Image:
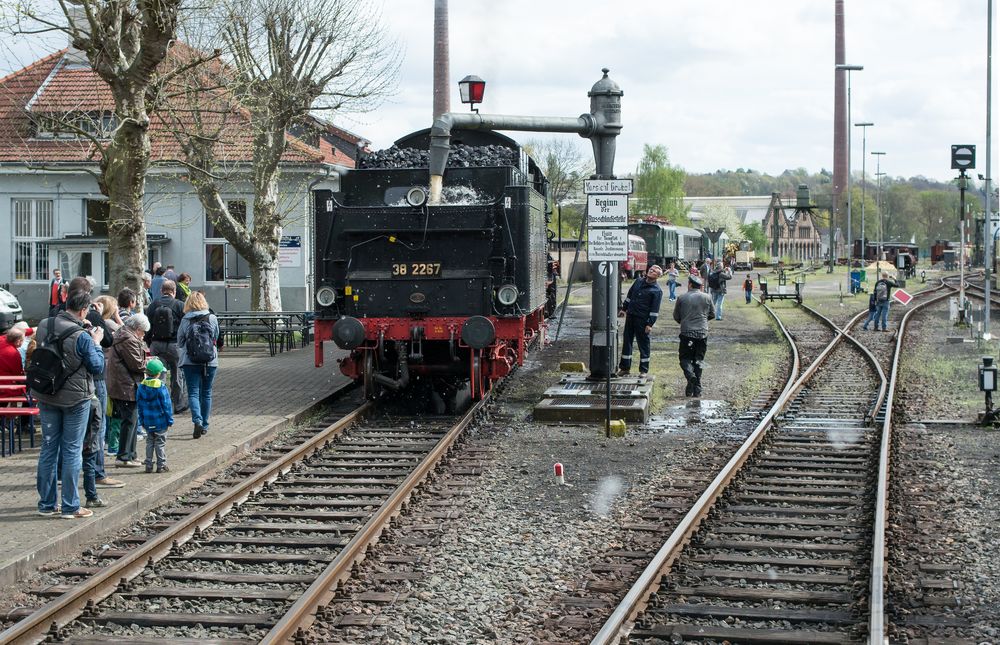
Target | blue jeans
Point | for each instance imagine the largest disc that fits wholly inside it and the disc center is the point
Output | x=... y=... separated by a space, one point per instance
x=673 y=289
x=199 y=380
x=749 y=295
x=872 y=315
x=101 y=387
x=717 y=298
x=62 y=435
x=882 y=313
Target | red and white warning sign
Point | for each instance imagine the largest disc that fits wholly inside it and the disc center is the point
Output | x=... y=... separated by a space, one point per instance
x=902 y=296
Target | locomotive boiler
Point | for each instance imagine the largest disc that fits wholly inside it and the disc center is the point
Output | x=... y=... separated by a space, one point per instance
x=437 y=294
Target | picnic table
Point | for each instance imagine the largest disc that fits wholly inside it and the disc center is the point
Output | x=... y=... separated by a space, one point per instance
x=277 y=328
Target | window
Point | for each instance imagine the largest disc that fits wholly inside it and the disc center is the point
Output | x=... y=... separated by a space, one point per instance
x=34 y=226
x=75 y=125
x=98 y=214
x=221 y=261
x=237 y=208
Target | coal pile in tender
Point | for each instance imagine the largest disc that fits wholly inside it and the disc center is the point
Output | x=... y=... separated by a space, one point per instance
x=461 y=156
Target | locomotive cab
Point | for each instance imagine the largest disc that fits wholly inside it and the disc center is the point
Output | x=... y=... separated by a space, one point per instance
x=442 y=293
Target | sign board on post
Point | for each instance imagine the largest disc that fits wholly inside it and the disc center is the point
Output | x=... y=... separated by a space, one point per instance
x=607 y=244
x=607 y=210
x=290 y=251
x=237 y=283
x=607 y=186
x=963 y=156
x=902 y=296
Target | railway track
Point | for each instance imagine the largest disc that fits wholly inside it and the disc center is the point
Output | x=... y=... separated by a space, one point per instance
x=253 y=558
x=787 y=544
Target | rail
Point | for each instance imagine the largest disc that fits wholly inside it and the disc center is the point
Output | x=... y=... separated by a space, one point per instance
x=72 y=603
x=876 y=602
x=300 y=615
x=637 y=597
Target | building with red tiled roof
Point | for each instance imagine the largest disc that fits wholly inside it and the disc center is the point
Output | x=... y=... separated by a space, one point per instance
x=53 y=215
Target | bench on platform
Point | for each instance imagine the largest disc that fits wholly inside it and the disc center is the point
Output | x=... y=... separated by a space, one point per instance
x=16 y=415
x=278 y=329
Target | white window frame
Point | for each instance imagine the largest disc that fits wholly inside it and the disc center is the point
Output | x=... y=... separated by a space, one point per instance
x=35 y=235
x=219 y=241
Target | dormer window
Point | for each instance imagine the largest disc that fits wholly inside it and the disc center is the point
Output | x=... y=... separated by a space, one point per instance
x=75 y=125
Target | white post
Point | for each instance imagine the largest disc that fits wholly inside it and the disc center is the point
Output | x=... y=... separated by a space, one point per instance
x=987 y=224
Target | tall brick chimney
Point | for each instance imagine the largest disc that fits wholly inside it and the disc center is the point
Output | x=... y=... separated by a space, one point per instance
x=839 y=114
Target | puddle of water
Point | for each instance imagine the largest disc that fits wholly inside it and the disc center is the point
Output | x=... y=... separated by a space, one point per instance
x=607 y=491
x=692 y=412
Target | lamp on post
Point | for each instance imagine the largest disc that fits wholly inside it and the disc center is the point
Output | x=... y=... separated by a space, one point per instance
x=850 y=237
x=471 y=89
x=878 y=201
x=864 y=181
x=988 y=385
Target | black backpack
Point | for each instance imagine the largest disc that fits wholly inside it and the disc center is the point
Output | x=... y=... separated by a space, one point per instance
x=713 y=280
x=47 y=372
x=881 y=291
x=200 y=346
x=161 y=327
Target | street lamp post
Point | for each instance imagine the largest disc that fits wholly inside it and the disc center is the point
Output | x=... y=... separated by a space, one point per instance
x=878 y=175
x=850 y=236
x=988 y=233
x=864 y=181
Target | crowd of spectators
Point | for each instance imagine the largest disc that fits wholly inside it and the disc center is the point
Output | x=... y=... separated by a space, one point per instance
x=122 y=366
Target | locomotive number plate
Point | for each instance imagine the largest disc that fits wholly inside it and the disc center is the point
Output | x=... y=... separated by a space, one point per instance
x=422 y=269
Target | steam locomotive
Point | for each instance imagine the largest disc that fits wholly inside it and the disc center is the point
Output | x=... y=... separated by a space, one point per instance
x=434 y=294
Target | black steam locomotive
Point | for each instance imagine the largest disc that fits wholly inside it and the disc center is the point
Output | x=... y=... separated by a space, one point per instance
x=439 y=294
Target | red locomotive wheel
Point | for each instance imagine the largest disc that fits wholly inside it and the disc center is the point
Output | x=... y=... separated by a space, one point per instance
x=479 y=382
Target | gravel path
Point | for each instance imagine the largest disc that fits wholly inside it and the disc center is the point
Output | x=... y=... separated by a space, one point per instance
x=519 y=544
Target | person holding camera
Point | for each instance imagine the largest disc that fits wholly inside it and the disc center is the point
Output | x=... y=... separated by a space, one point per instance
x=61 y=377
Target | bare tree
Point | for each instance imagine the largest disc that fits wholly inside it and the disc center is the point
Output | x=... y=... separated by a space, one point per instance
x=125 y=42
x=282 y=60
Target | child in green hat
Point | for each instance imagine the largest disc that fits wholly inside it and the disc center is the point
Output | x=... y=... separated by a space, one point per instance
x=156 y=415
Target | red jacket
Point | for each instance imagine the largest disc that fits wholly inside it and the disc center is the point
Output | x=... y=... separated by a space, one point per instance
x=10 y=364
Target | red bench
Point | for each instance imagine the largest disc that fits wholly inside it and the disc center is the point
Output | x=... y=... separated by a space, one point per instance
x=15 y=411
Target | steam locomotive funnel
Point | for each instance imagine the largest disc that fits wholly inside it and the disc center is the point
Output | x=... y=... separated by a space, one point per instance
x=601 y=125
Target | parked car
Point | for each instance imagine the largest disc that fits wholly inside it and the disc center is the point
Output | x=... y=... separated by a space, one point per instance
x=10 y=310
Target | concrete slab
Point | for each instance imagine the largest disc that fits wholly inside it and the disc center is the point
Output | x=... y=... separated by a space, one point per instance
x=255 y=396
x=577 y=399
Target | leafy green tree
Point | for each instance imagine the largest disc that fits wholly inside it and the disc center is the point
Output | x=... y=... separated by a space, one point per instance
x=755 y=233
x=659 y=186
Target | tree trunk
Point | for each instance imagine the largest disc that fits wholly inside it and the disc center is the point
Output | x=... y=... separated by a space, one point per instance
x=124 y=168
x=269 y=145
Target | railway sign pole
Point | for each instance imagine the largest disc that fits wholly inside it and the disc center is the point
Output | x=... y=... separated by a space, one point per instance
x=963 y=158
x=607 y=245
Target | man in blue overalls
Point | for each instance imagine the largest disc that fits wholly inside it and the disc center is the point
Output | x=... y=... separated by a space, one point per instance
x=641 y=309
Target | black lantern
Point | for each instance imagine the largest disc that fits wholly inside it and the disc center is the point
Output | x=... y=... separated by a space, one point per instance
x=471 y=89
x=987 y=375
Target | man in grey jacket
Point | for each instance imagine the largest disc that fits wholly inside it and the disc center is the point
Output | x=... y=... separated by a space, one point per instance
x=693 y=310
x=64 y=413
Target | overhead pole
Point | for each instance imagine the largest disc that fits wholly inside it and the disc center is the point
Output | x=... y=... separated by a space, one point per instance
x=864 y=181
x=442 y=97
x=987 y=223
x=881 y=227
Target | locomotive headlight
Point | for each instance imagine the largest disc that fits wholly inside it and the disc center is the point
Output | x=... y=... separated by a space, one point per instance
x=326 y=296
x=416 y=196
x=507 y=294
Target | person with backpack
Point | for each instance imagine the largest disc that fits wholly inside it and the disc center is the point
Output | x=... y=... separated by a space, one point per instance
x=164 y=319
x=61 y=377
x=197 y=339
x=717 y=278
x=882 y=292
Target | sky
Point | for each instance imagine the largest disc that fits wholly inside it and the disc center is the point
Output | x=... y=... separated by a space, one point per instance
x=725 y=84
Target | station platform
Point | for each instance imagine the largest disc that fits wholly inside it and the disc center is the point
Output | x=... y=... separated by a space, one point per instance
x=255 y=396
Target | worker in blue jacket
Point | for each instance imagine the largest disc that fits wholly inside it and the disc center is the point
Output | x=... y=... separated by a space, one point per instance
x=641 y=309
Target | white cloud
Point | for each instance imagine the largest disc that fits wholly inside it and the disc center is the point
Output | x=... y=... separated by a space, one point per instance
x=724 y=84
